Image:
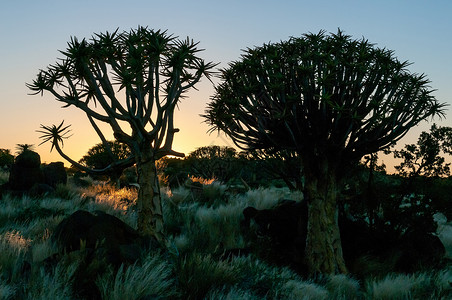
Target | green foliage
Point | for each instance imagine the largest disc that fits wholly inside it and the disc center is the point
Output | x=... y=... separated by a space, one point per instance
x=423 y=158
x=214 y=162
x=224 y=164
x=6 y=158
x=214 y=227
x=98 y=157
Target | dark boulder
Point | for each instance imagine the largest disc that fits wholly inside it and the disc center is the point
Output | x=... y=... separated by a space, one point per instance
x=281 y=232
x=366 y=250
x=26 y=171
x=27 y=175
x=283 y=223
x=94 y=230
x=102 y=242
x=28 y=159
x=54 y=174
x=419 y=250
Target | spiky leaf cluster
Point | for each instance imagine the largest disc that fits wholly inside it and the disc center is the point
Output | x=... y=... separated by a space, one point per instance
x=321 y=96
x=54 y=134
x=131 y=81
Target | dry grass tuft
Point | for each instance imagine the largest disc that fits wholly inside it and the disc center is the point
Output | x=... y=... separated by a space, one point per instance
x=153 y=278
x=400 y=286
x=197 y=274
x=228 y=293
x=55 y=285
x=6 y=291
x=295 y=290
x=343 y=287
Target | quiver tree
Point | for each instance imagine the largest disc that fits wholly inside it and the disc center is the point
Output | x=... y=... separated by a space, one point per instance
x=330 y=99
x=131 y=81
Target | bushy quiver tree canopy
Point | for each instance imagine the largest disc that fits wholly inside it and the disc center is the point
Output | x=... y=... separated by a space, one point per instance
x=330 y=100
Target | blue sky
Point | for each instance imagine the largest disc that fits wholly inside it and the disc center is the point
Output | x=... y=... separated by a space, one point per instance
x=32 y=32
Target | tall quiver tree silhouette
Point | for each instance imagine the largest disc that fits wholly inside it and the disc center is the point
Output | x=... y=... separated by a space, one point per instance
x=131 y=81
x=329 y=98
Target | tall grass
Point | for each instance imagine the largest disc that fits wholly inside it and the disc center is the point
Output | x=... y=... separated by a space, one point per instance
x=230 y=293
x=197 y=274
x=402 y=286
x=6 y=291
x=152 y=278
x=13 y=249
x=199 y=263
x=264 y=280
x=54 y=285
x=343 y=287
x=304 y=290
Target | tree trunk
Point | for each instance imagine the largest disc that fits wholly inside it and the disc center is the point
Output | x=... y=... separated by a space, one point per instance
x=323 y=251
x=150 y=216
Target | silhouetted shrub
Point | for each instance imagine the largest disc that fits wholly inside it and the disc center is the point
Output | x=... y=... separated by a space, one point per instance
x=6 y=158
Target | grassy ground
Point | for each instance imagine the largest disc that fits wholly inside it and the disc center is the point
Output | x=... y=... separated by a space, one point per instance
x=201 y=225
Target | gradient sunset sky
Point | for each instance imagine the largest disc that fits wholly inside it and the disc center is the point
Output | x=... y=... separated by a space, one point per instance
x=32 y=32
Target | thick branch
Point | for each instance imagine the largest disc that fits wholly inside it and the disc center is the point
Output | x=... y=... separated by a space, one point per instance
x=121 y=164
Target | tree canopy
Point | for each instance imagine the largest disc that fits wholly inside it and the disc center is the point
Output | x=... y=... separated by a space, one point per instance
x=126 y=80
x=423 y=158
x=327 y=100
x=97 y=156
x=319 y=93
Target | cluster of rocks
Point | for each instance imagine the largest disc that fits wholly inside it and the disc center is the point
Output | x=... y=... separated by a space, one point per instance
x=280 y=235
x=27 y=175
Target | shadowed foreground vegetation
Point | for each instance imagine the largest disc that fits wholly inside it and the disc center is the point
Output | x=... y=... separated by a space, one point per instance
x=201 y=259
